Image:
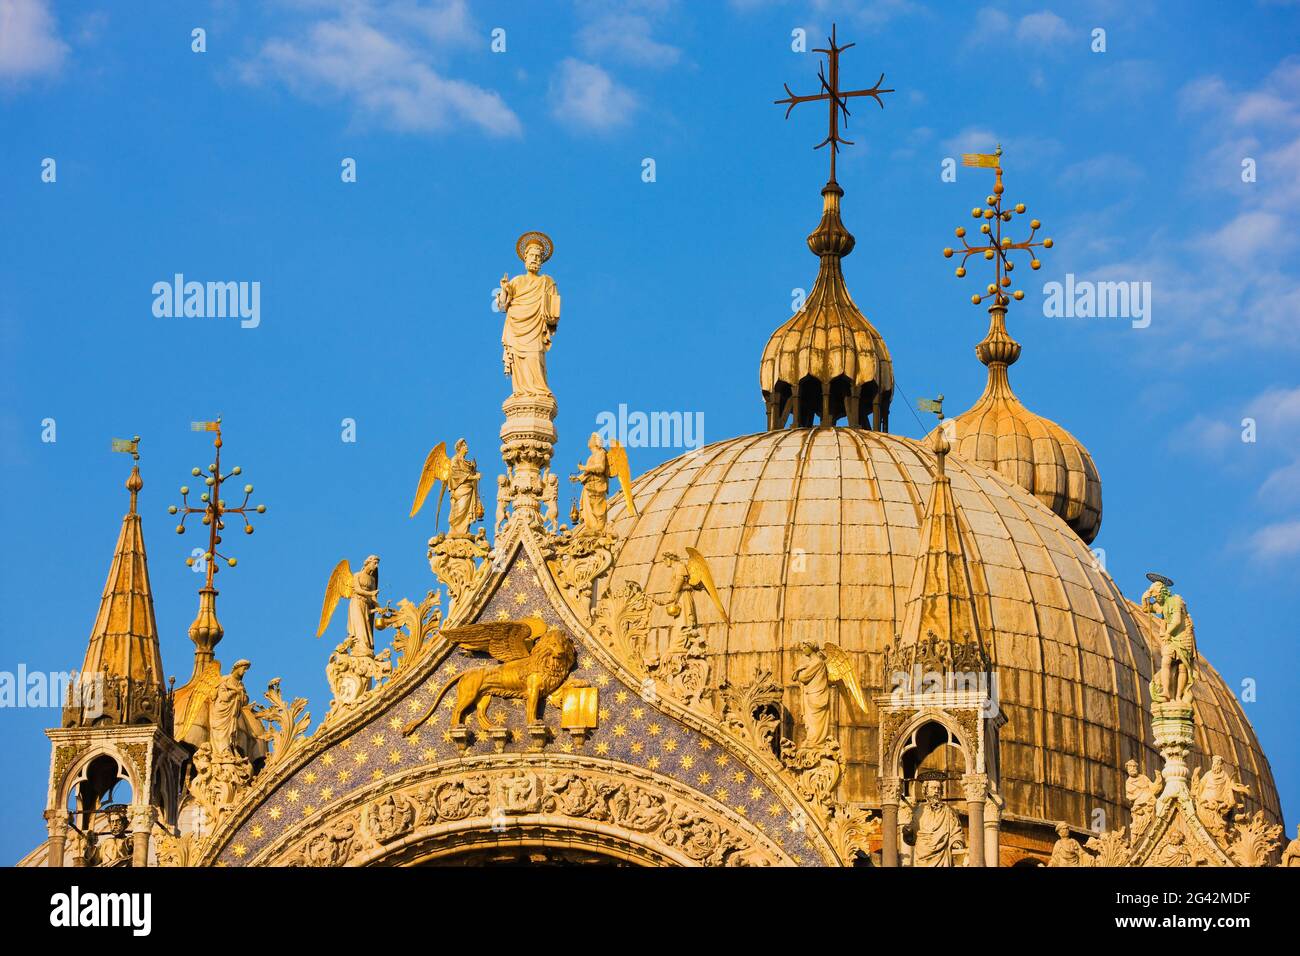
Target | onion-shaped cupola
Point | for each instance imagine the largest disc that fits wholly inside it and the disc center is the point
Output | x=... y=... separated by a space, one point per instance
x=1000 y=434
x=827 y=363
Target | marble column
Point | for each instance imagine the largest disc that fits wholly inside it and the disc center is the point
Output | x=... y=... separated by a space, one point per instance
x=889 y=790
x=976 y=788
x=142 y=818
x=56 y=821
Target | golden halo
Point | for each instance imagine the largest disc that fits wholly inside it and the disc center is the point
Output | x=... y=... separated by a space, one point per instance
x=541 y=238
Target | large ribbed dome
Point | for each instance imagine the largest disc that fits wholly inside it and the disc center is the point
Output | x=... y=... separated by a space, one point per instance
x=812 y=534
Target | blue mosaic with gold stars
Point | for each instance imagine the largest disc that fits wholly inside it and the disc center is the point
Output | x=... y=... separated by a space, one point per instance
x=630 y=730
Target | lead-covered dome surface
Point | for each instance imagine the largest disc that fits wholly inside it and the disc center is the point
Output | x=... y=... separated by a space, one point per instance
x=812 y=534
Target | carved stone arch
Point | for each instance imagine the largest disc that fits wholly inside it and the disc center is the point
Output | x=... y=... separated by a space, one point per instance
x=603 y=810
x=958 y=736
x=79 y=769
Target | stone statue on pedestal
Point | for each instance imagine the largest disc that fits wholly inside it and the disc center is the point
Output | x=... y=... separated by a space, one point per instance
x=532 y=308
x=1177 y=672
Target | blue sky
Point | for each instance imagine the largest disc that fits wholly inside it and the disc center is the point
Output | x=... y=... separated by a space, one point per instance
x=375 y=295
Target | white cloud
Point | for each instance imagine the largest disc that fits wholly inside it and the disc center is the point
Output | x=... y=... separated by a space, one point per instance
x=1044 y=27
x=29 y=40
x=626 y=36
x=1107 y=168
x=1278 y=540
x=1245 y=236
x=1282 y=487
x=368 y=57
x=1225 y=282
x=586 y=97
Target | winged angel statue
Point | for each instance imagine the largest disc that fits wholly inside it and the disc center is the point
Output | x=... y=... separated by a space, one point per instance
x=362 y=591
x=534 y=663
x=689 y=576
x=459 y=475
x=819 y=671
x=594 y=475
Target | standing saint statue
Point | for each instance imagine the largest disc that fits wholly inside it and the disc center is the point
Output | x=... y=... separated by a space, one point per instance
x=462 y=482
x=594 y=477
x=532 y=308
x=551 y=498
x=1177 y=642
x=1141 y=792
x=1066 y=851
x=1216 y=795
x=935 y=830
x=231 y=723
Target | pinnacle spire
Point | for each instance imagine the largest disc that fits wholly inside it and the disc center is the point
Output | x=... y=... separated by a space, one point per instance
x=941 y=603
x=121 y=677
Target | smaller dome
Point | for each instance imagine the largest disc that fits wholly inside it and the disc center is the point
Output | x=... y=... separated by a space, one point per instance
x=1000 y=434
x=827 y=362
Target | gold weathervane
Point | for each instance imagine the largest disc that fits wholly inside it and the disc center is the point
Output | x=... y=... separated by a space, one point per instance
x=214 y=509
x=836 y=99
x=999 y=246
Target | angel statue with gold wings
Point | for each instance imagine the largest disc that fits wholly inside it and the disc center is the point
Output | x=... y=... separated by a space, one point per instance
x=459 y=475
x=534 y=663
x=688 y=577
x=362 y=591
x=820 y=670
x=594 y=475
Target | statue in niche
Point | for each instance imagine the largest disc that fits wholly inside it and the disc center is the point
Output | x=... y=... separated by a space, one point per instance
x=935 y=832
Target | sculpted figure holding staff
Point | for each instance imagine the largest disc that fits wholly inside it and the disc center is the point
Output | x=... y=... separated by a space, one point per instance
x=532 y=308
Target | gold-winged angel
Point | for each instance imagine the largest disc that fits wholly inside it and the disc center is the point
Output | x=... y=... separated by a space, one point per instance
x=362 y=591
x=688 y=576
x=820 y=671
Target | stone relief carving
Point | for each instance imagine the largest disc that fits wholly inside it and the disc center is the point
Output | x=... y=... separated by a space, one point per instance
x=753 y=711
x=622 y=623
x=457 y=561
x=496 y=796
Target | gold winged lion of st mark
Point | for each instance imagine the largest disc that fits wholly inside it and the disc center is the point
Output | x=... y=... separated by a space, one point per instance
x=535 y=661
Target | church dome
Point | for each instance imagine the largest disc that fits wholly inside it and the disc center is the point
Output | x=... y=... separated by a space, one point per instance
x=813 y=535
x=828 y=362
x=1001 y=434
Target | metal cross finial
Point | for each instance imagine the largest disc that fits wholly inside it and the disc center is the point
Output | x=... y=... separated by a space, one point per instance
x=835 y=98
x=998 y=246
x=214 y=508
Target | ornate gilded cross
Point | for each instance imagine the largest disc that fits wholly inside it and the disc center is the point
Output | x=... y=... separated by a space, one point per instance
x=998 y=246
x=836 y=99
x=214 y=509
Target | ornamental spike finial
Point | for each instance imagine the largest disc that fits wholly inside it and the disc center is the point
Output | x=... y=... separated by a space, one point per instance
x=206 y=630
x=998 y=248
